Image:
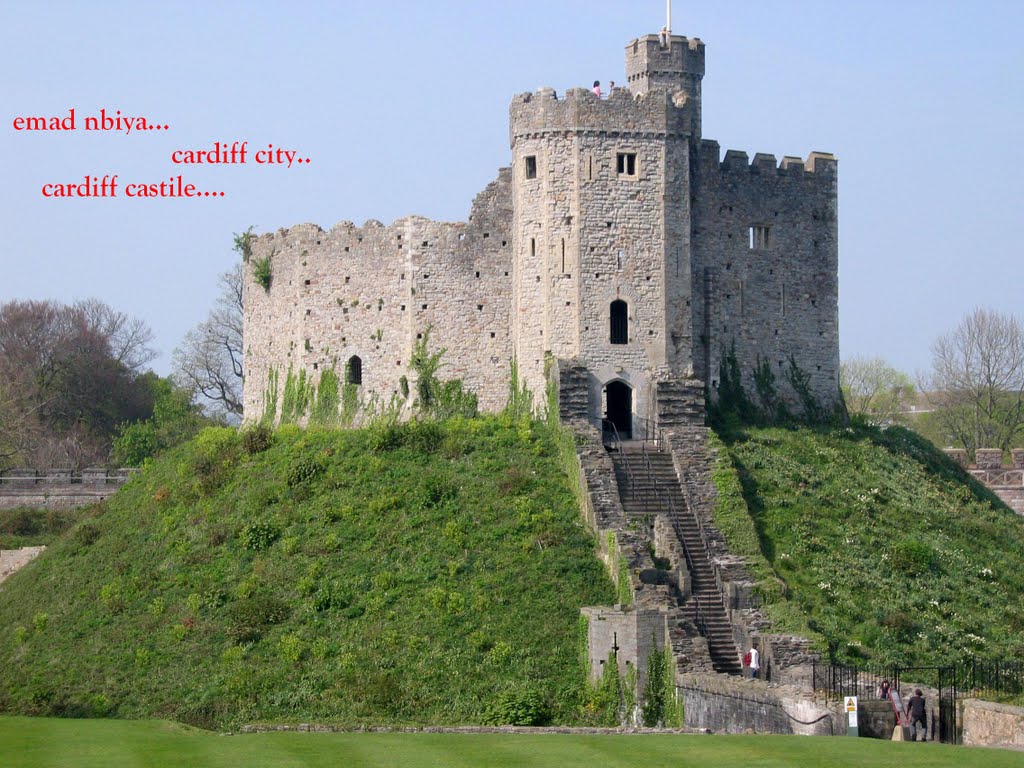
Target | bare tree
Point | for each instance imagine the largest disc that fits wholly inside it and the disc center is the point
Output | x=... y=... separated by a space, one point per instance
x=129 y=338
x=210 y=359
x=977 y=380
x=873 y=388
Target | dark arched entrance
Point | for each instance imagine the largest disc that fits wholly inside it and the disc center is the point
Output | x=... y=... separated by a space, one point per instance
x=619 y=407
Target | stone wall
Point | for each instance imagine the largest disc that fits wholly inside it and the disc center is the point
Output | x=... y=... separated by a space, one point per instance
x=635 y=632
x=1005 y=482
x=371 y=292
x=992 y=725
x=59 y=489
x=733 y=705
x=771 y=299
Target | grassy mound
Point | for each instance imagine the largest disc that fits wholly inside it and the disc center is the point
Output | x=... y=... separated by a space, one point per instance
x=426 y=573
x=875 y=541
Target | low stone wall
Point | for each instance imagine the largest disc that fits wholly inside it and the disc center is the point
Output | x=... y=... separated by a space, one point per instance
x=53 y=497
x=59 y=488
x=13 y=560
x=733 y=705
x=1005 y=482
x=876 y=718
x=992 y=725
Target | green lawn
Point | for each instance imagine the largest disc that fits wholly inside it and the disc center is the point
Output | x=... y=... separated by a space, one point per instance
x=35 y=742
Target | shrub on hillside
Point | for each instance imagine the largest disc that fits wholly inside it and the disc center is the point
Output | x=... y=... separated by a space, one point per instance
x=517 y=706
x=257 y=439
x=258 y=536
x=249 y=618
x=912 y=557
x=214 y=454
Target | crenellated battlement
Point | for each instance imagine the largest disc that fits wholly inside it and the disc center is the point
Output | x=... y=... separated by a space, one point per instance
x=581 y=112
x=817 y=166
x=652 y=61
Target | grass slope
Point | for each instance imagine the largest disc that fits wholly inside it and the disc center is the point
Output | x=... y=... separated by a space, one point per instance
x=876 y=541
x=35 y=742
x=412 y=574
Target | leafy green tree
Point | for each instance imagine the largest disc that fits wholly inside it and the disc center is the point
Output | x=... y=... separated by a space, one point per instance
x=176 y=418
x=875 y=390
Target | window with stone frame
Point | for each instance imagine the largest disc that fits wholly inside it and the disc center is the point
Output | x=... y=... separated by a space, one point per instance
x=354 y=371
x=619 y=317
x=760 y=236
x=531 y=166
x=625 y=163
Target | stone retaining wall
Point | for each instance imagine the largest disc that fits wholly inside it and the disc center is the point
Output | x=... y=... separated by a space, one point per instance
x=724 y=704
x=1005 y=482
x=992 y=725
x=59 y=488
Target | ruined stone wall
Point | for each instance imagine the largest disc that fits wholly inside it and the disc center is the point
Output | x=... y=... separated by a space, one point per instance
x=372 y=291
x=776 y=299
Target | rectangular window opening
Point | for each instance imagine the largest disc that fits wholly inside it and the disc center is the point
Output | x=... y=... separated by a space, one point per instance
x=625 y=163
x=759 y=236
x=531 y=166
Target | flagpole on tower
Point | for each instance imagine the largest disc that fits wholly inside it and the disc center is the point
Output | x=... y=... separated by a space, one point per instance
x=668 y=14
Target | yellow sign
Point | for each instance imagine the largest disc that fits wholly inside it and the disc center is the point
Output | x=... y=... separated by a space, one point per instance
x=851 y=703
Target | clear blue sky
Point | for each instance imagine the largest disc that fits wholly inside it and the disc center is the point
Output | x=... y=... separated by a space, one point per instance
x=402 y=108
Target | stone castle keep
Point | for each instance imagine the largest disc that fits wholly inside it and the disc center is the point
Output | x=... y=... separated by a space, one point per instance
x=619 y=242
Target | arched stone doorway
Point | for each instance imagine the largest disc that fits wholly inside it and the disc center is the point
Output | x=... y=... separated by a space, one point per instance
x=619 y=407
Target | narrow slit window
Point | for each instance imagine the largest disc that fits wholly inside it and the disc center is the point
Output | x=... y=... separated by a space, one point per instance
x=625 y=163
x=619 y=322
x=531 y=166
x=354 y=370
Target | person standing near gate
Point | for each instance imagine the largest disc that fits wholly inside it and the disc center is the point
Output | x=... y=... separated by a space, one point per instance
x=916 y=714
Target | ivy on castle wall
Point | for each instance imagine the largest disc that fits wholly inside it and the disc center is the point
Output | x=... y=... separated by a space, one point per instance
x=734 y=407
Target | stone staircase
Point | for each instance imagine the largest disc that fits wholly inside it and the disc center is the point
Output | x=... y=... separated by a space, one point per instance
x=649 y=487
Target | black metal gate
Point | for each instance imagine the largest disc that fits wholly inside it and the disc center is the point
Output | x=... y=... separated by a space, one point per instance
x=838 y=681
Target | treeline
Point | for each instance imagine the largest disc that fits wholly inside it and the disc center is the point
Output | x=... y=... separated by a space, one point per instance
x=73 y=379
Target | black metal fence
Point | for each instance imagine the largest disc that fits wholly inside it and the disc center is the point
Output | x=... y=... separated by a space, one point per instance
x=977 y=679
x=876 y=682
x=992 y=679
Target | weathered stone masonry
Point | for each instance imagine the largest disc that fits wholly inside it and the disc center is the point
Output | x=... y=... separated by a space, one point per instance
x=618 y=238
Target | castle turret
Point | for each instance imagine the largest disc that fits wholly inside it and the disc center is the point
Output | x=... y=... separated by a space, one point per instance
x=670 y=63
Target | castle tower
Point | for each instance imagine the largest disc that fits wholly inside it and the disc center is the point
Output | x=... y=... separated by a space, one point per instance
x=674 y=64
x=601 y=227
